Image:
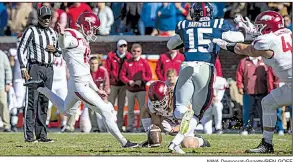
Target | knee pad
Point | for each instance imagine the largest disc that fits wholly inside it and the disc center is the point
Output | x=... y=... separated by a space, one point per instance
x=180 y=111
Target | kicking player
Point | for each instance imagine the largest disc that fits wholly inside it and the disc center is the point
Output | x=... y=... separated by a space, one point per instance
x=197 y=71
x=76 y=52
x=274 y=45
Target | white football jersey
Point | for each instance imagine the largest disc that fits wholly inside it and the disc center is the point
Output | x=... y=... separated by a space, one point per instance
x=280 y=42
x=76 y=53
x=59 y=67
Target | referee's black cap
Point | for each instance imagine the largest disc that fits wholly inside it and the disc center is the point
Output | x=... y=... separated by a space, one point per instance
x=44 y=11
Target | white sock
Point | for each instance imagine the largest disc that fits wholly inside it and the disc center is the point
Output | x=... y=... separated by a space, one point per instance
x=192 y=126
x=47 y=122
x=110 y=123
x=200 y=140
x=268 y=136
x=218 y=116
x=63 y=123
x=146 y=123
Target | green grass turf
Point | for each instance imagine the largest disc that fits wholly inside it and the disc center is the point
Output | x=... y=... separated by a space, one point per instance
x=95 y=144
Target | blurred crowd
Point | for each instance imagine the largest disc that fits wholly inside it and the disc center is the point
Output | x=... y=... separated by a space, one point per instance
x=119 y=18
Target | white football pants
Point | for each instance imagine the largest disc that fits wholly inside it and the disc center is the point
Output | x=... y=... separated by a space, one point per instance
x=195 y=84
x=80 y=90
x=278 y=97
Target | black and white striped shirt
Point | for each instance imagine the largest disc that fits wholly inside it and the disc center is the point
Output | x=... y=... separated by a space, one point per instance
x=32 y=47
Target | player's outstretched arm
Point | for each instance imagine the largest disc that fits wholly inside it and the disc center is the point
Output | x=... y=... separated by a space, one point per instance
x=243 y=49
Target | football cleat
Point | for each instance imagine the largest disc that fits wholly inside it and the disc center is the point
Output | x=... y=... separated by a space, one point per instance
x=263 y=147
x=31 y=141
x=45 y=140
x=34 y=84
x=175 y=149
x=145 y=144
x=130 y=144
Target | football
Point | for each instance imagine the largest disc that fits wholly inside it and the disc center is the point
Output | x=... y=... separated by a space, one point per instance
x=154 y=136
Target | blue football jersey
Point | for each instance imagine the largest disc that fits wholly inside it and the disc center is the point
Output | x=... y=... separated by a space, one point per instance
x=197 y=38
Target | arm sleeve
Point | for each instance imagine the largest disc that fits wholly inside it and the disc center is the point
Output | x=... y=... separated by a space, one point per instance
x=261 y=43
x=239 y=74
x=158 y=69
x=22 y=48
x=8 y=71
x=68 y=40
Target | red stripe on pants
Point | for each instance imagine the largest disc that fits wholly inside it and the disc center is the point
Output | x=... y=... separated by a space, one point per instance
x=83 y=99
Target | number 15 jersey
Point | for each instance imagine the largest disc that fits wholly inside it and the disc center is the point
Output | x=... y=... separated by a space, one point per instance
x=76 y=53
x=197 y=38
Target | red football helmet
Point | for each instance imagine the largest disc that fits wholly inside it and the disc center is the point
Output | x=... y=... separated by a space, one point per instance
x=89 y=24
x=158 y=95
x=269 y=21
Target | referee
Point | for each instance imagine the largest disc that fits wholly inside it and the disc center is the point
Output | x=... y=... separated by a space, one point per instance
x=37 y=47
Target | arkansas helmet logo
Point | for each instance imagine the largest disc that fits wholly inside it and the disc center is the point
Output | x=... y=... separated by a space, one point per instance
x=90 y=19
x=163 y=89
x=266 y=17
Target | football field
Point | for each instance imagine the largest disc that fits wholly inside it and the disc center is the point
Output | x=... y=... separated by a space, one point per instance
x=95 y=144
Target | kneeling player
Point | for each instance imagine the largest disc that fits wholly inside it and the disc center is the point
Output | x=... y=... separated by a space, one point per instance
x=157 y=115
